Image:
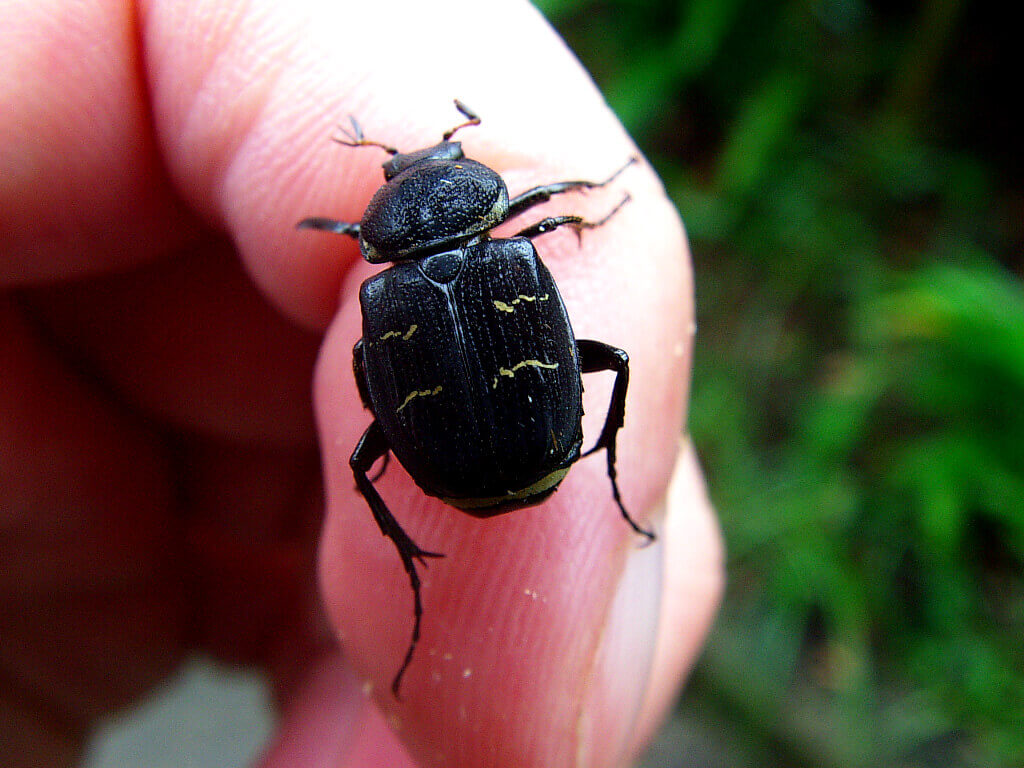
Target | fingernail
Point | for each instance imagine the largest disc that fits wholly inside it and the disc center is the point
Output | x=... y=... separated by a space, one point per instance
x=623 y=661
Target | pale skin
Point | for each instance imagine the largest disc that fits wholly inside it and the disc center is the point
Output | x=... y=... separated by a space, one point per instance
x=177 y=407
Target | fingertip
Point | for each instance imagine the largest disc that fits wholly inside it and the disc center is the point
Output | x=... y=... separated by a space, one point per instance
x=83 y=189
x=330 y=722
x=693 y=582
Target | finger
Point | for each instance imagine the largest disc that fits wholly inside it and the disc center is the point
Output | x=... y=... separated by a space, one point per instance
x=82 y=188
x=190 y=343
x=329 y=721
x=693 y=580
x=87 y=547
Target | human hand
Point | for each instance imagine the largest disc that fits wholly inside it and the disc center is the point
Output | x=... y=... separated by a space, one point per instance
x=157 y=453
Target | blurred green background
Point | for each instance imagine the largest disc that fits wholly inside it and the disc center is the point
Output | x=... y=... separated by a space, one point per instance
x=849 y=176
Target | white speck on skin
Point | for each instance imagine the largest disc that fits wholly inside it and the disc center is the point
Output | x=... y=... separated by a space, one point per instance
x=467 y=672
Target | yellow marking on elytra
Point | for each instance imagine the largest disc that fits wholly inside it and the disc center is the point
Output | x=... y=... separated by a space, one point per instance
x=404 y=336
x=522 y=297
x=510 y=372
x=537 y=488
x=418 y=393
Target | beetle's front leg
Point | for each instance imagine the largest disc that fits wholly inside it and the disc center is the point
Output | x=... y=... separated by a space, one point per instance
x=597 y=356
x=372 y=446
x=330 y=225
x=576 y=222
x=538 y=195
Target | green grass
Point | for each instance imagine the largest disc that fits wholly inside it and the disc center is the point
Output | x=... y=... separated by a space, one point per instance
x=851 y=188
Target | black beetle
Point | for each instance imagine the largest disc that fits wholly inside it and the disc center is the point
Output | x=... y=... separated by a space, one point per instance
x=467 y=361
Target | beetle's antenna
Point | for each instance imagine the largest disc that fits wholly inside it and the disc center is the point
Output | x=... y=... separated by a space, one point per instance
x=355 y=138
x=473 y=119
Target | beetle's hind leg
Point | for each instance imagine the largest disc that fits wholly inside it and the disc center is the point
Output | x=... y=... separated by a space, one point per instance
x=577 y=223
x=359 y=371
x=597 y=356
x=538 y=195
x=371 y=447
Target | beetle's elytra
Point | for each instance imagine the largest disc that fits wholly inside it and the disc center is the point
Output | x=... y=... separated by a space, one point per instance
x=468 y=361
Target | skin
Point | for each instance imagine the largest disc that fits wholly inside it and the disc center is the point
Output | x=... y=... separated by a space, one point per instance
x=178 y=407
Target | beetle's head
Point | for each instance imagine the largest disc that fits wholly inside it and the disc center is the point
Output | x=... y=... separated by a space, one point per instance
x=446 y=150
x=438 y=200
x=432 y=199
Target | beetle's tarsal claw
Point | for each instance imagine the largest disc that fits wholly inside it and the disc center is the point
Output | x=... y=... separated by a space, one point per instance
x=353 y=138
x=357 y=129
x=345 y=139
x=356 y=138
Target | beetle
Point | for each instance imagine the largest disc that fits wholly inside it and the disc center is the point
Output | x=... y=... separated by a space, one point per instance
x=467 y=360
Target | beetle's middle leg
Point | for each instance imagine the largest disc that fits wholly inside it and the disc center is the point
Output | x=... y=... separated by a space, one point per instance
x=597 y=356
x=538 y=195
x=372 y=446
x=359 y=371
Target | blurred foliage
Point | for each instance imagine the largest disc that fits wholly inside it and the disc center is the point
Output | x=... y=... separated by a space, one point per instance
x=850 y=180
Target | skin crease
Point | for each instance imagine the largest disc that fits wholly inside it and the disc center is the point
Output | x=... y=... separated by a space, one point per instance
x=163 y=323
